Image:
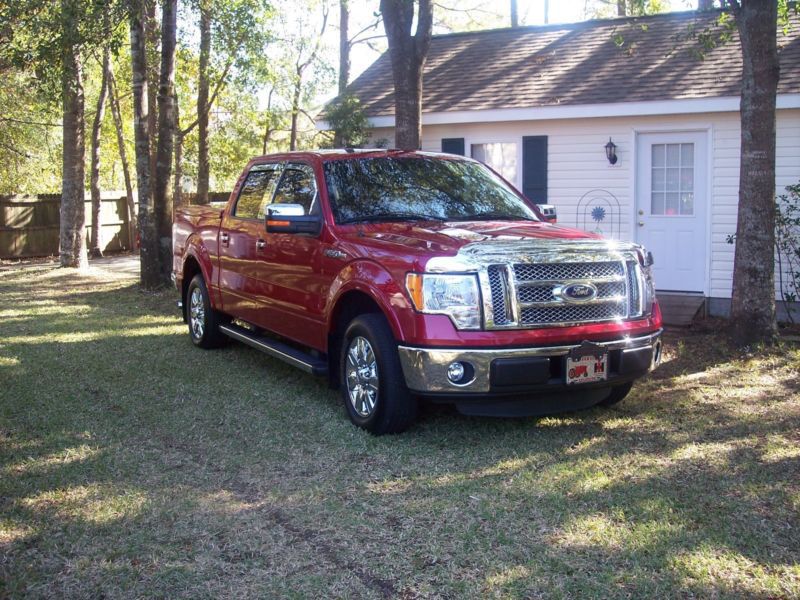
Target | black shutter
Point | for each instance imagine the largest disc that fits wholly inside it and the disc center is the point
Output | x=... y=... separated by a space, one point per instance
x=453 y=146
x=534 y=168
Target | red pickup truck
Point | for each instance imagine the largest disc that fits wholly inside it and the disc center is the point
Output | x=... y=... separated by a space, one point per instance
x=404 y=276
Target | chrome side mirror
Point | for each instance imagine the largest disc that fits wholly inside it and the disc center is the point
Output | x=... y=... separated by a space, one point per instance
x=548 y=212
x=286 y=210
x=291 y=218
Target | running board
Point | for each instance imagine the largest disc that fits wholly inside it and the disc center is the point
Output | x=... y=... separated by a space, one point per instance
x=288 y=354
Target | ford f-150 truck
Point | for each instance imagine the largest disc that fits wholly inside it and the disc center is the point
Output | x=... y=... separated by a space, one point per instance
x=404 y=276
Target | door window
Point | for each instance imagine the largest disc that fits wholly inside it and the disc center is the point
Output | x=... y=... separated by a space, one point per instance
x=297 y=186
x=501 y=156
x=672 y=180
x=256 y=192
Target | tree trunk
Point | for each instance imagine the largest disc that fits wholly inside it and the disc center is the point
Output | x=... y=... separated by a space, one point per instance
x=72 y=229
x=94 y=176
x=162 y=197
x=515 y=14
x=621 y=12
x=344 y=45
x=202 y=104
x=408 y=55
x=151 y=49
x=298 y=86
x=177 y=193
x=150 y=275
x=753 y=301
x=177 y=181
x=268 y=124
x=123 y=156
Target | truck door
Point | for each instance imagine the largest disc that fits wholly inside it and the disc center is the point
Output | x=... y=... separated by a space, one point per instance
x=240 y=234
x=293 y=285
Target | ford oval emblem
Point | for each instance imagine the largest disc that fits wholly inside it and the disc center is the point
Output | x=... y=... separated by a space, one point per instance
x=579 y=292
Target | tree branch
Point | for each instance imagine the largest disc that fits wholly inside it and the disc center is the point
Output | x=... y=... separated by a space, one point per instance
x=219 y=85
x=27 y=122
x=373 y=25
x=12 y=149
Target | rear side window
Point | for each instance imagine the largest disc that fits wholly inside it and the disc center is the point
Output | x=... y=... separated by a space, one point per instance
x=256 y=192
x=297 y=186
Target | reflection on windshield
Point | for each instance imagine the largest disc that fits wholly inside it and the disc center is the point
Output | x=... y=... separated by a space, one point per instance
x=434 y=188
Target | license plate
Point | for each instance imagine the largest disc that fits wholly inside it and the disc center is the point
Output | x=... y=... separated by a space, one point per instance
x=588 y=363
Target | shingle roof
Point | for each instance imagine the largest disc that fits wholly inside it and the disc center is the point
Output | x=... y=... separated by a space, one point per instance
x=603 y=61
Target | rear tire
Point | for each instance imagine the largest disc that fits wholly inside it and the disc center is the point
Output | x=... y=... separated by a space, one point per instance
x=617 y=394
x=372 y=385
x=203 y=320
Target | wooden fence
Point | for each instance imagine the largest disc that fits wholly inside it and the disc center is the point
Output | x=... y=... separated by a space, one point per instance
x=29 y=225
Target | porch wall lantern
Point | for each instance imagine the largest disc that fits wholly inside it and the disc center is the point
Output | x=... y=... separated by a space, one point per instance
x=611 y=152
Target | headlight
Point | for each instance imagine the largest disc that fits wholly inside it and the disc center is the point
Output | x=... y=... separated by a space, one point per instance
x=453 y=295
x=646 y=262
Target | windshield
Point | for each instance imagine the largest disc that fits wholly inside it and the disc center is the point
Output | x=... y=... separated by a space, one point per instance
x=398 y=188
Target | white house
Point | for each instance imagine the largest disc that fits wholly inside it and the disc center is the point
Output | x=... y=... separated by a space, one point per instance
x=540 y=104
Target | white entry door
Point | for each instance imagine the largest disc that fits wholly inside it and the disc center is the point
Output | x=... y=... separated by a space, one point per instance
x=671 y=207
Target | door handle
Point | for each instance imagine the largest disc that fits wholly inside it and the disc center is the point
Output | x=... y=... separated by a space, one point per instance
x=224 y=238
x=641 y=223
x=261 y=244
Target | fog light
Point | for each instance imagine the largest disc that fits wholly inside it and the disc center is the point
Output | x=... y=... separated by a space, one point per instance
x=656 y=354
x=455 y=372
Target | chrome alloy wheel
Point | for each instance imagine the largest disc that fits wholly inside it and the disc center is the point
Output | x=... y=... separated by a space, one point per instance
x=197 y=313
x=362 y=376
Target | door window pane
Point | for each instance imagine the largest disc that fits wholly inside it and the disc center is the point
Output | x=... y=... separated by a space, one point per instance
x=657 y=207
x=687 y=155
x=297 y=186
x=502 y=157
x=255 y=194
x=671 y=204
x=673 y=155
x=687 y=203
x=672 y=179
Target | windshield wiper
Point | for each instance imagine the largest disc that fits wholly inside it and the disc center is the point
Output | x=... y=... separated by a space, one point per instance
x=492 y=216
x=391 y=216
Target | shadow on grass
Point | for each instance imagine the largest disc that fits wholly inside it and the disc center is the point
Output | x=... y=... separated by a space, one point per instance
x=138 y=464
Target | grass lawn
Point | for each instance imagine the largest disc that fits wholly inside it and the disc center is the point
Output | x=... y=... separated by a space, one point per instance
x=136 y=465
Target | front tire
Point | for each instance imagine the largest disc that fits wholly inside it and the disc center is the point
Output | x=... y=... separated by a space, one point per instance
x=373 y=386
x=203 y=320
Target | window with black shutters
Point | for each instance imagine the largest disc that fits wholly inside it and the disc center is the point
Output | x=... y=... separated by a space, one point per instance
x=454 y=146
x=534 y=168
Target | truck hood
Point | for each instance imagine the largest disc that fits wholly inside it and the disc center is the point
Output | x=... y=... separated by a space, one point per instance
x=468 y=244
x=449 y=237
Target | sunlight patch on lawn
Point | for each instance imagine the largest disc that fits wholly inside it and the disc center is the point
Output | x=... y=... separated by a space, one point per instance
x=225 y=502
x=31 y=465
x=617 y=531
x=712 y=567
x=11 y=532
x=93 y=503
x=708 y=453
x=779 y=448
x=508 y=576
x=93 y=336
x=42 y=308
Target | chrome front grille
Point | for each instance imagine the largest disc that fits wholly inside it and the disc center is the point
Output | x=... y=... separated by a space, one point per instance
x=499 y=291
x=573 y=313
x=562 y=271
x=525 y=295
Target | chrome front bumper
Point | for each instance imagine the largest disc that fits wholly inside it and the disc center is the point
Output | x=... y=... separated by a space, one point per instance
x=425 y=369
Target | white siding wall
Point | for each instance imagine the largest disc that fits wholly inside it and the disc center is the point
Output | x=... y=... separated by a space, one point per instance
x=577 y=165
